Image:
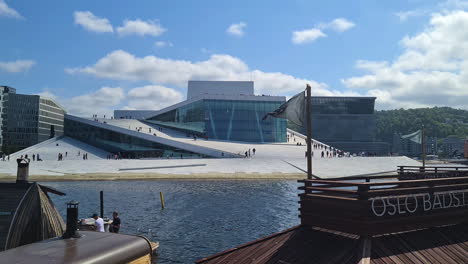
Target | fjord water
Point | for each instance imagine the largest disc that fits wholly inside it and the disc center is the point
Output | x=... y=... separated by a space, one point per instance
x=201 y=217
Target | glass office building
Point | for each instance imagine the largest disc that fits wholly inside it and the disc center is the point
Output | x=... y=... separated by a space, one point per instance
x=347 y=123
x=220 y=119
x=125 y=145
x=28 y=120
x=5 y=91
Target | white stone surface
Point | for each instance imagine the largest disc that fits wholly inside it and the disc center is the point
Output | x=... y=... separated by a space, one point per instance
x=278 y=158
x=260 y=163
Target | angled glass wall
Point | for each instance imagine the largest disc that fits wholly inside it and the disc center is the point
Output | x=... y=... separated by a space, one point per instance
x=125 y=145
x=232 y=120
x=51 y=118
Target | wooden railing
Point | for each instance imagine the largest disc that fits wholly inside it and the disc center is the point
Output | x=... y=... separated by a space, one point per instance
x=369 y=190
x=430 y=169
x=430 y=172
x=378 y=206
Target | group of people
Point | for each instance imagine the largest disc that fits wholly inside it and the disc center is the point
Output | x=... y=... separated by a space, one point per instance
x=34 y=157
x=114 y=156
x=5 y=157
x=247 y=154
x=114 y=227
x=60 y=156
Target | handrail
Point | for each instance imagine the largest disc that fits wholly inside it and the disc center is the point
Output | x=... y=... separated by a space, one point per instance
x=432 y=167
x=364 y=190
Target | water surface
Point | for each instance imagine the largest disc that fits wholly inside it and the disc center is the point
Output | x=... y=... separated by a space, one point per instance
x=201 y=217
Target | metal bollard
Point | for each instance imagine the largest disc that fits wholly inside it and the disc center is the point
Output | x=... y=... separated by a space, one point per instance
x=22 y=174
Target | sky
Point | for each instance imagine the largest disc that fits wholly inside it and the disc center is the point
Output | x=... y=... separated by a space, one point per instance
x=97 y=56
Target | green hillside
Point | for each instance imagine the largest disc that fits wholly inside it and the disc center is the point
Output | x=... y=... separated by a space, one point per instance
x=438 y=121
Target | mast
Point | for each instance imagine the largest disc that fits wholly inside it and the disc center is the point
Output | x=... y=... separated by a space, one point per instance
x=309 y=133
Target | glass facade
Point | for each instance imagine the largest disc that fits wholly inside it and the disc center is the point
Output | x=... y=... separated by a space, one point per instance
x=21 y=122
x=343 y=105
x=347 y=123
x=232 y=120
x=28 y=120
x=125 y=145
x=51 y=118
x=4 y=94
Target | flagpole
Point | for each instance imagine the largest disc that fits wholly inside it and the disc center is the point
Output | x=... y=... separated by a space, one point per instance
x=309 y=134
x=423 y=152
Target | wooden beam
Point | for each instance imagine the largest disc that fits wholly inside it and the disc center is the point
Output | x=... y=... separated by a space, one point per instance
x=365 y=250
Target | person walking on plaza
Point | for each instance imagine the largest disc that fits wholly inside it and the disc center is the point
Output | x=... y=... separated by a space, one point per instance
x=34 y=158
x=253 y=150
x=115 y=226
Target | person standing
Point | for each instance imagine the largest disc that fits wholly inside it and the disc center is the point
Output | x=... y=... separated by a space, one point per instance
x=115 y=226
x=253 y=150
x=99 y=223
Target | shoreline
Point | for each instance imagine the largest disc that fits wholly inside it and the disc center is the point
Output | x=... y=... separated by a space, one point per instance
x=158 y=176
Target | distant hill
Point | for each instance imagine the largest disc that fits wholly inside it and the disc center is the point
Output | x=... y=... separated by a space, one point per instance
x=439 y=122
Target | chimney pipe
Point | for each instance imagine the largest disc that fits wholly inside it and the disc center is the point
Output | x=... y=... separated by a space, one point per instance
x=72 y=220
x=22 y=174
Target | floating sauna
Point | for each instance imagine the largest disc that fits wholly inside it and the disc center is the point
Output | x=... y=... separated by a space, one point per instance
x=83 y=247
x=27 y=213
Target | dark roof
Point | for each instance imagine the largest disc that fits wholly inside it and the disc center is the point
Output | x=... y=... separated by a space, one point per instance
x=27 y=214
x=295 y=245
x=444 y=245
x=92 y=247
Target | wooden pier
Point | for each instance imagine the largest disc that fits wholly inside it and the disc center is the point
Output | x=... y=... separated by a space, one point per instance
x=419 y=215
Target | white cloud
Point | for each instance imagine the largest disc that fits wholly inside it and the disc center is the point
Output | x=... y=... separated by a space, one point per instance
x=405 y=15
x=431 y=70
x=162 y=44
x=307 y=36
x=152 y=97
x=312 y=34
x=17 y=66
x=48 y=94
x=92 y=23
x=141 y=28
x=100 y=102
x=338 y=25
x=7 y=11
x=121 y=65
x=236 y=29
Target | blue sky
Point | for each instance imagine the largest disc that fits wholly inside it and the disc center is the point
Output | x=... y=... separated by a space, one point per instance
x=95 y=56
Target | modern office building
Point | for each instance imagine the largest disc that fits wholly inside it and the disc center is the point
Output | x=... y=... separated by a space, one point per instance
x=347 y=123
x=28 y=120
x=4 y=94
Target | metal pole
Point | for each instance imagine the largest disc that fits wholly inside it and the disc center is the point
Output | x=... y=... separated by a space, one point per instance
x=309 y=134
x=423 y=141
x=101 y=198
